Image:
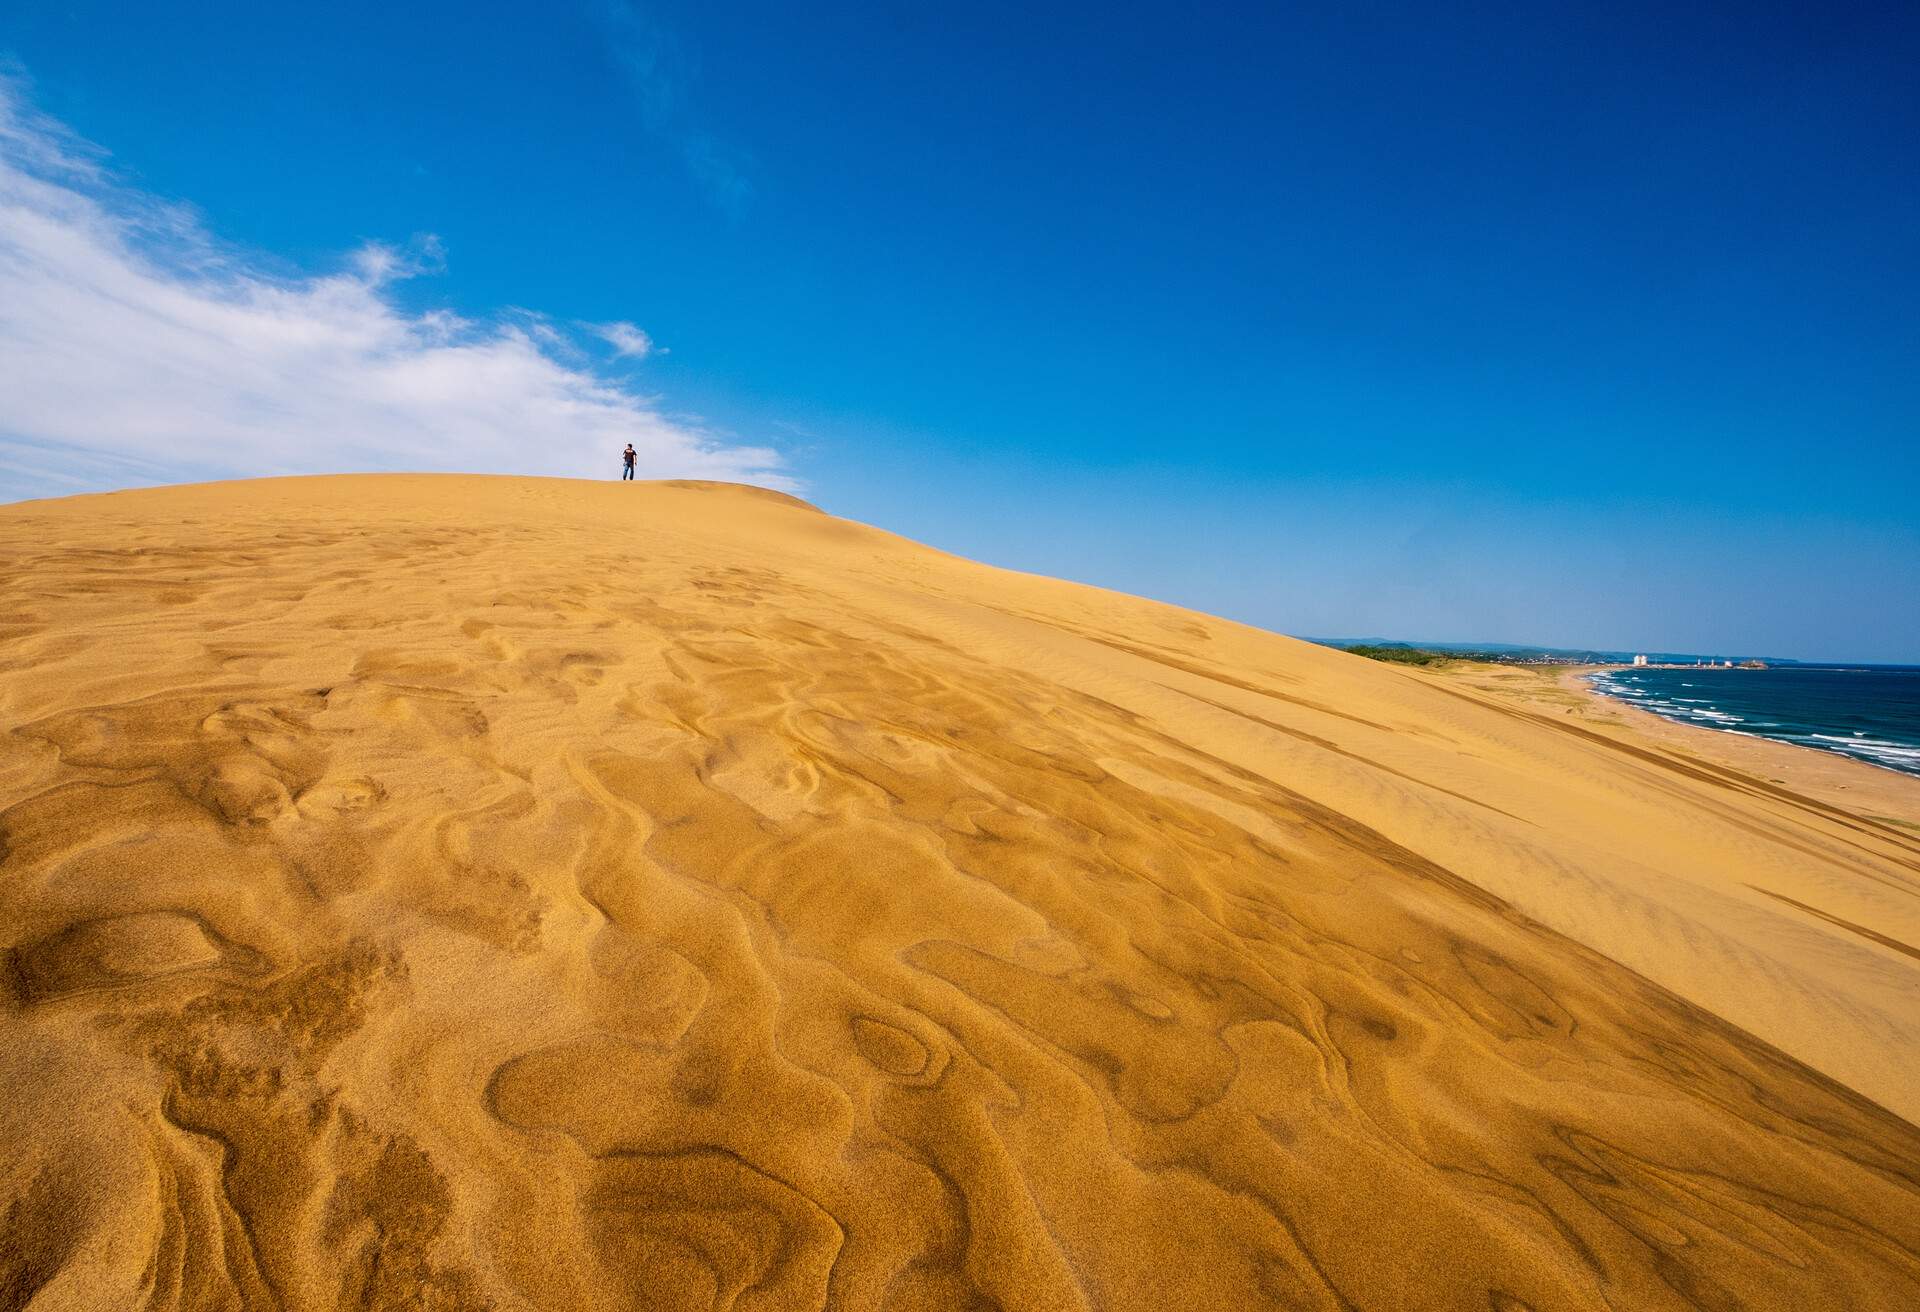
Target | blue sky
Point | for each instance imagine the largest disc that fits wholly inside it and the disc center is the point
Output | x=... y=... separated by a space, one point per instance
x=1580 y=328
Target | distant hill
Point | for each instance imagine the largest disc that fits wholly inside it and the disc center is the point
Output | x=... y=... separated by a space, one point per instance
x=1529 y=654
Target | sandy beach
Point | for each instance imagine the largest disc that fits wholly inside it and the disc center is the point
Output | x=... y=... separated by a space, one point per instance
x=454 y=892
x=1874 y=792
x=1869 y=789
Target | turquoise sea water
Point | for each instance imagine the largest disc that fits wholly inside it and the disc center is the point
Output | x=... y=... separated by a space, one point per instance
x=1868 y=712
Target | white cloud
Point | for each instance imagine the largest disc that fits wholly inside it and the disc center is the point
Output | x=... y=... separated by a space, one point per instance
x=625 y=339
x=135 y=349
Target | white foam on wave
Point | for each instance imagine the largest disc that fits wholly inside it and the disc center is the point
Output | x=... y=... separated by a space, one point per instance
x=1874 y=746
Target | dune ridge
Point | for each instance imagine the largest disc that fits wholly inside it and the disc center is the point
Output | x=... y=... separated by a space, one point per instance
x=427 y=891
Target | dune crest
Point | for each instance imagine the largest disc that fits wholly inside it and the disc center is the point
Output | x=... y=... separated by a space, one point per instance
x=462 y=893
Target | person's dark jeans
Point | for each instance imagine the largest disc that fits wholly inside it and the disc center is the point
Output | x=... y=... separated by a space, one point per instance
x=626 y=472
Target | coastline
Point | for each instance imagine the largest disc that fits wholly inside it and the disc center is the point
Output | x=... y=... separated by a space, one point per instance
x=1868 y=790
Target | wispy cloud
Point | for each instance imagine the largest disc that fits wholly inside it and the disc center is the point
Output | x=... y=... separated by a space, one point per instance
x=660 y=70
x=136 y=348
x=625 y=338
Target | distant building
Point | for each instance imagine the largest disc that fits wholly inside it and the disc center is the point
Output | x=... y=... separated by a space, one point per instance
x=1639 y=660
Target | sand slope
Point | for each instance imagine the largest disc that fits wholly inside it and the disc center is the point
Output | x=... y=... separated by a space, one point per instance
x=456 y=892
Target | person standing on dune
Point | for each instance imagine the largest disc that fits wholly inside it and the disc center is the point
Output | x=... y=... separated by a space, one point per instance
x=626 y=463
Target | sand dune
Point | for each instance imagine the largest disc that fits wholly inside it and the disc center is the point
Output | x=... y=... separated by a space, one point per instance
x=431 y=892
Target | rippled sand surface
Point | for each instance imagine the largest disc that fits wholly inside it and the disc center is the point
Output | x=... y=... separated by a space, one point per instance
x=450 y=893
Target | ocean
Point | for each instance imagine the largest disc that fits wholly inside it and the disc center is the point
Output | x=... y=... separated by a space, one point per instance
x=1868 y=712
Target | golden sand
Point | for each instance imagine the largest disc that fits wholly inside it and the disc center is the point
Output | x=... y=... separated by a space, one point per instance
x=439 y=892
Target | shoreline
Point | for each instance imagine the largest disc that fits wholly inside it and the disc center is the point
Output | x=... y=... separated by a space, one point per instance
x=1834 y=777
x=1872 y=791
